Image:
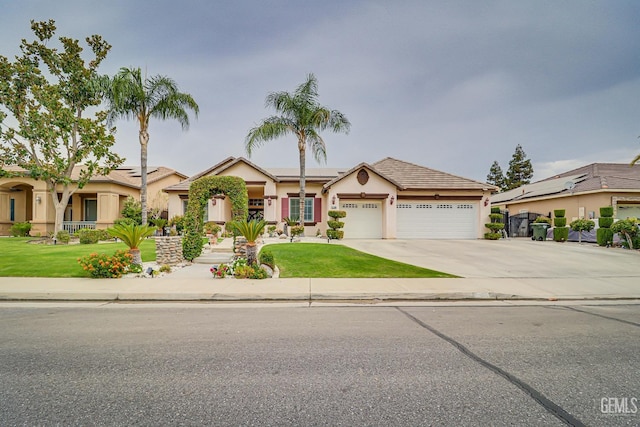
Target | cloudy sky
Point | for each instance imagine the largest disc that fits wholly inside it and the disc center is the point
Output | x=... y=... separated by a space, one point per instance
x=451 y=85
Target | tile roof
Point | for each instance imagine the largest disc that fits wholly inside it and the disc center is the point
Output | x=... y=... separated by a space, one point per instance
x=412 y=176
x=592 y=177
x=124 y=175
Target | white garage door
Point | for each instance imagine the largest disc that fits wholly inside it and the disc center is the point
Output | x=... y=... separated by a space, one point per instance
x=419 y=220
x=363 y=220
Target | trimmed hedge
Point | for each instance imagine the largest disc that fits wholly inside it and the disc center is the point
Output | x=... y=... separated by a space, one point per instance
x=335 y=234
x=606 y=211
x=559 y=213
x=561 y=234
x=89 y=236
x=604 y=236
x=495 y=210
x=496 y=216
x=20 y=229
x=495 y=226
x=560 y=222
x=605 y=222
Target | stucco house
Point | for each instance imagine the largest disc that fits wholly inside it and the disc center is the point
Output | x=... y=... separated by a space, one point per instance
x=580 y=192
x=96 y=205
x=384 y=200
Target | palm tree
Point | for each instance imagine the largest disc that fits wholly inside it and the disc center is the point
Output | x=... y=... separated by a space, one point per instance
x=132 y=235
x=251 y=231
x=132 y=97
x=300 y=114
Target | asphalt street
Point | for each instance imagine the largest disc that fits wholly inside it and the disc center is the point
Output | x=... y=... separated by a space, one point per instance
x=217 y=364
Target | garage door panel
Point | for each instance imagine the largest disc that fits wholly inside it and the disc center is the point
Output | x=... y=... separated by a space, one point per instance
x=363 y=220
x=419 y=220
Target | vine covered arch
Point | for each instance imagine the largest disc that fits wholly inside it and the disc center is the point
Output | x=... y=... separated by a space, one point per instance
x=200 y=191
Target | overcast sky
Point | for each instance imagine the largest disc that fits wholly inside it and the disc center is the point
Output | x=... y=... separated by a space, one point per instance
x=451 y=85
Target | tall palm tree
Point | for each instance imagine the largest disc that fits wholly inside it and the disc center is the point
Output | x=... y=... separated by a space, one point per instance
x=130 y=96
x=301 y=115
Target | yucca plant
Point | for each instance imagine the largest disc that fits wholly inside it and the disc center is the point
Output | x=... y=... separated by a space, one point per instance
x=251 y=231
x=132 y=235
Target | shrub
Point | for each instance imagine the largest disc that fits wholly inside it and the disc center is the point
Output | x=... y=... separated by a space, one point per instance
x=495 y=210
x=604 y=236
x=243 y=271
x=560 y=222
x=605 y=222
x=165 y=268
x=495 y=226
x=266 y=257
x=212 y=228
x=337 y=214
x=63 y=236
x=132 y=209
x=258 y=273
x=492 y=236
x=559 y=213
x=335 y=234
x=627 y=228
x=177 y=222
x=606 y=211
x=542 y=220
x=561 y=234
x=89 y=236
x=106 y=266
x=20 y=229
x=131 y=235
x=297 y=230
x=496 y=217
x=335 y=224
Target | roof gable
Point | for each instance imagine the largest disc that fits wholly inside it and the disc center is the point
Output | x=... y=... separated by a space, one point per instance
x=357 y=168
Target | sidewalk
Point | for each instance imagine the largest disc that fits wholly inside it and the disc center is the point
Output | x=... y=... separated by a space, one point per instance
x=195 y=282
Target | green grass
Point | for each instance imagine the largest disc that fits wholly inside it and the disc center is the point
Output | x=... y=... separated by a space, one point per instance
x=18 y=258
x=338 y=261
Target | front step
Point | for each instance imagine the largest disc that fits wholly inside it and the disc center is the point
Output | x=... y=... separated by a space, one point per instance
x=214 y=258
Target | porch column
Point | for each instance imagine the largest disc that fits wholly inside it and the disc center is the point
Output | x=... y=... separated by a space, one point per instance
x=5 y=212
x=108 y=209
x=44 y=213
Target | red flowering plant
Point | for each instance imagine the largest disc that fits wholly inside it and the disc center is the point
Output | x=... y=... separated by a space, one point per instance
x=106 y=266
x=220 y=271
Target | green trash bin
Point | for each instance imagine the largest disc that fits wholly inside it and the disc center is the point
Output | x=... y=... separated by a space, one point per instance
x=539 y=231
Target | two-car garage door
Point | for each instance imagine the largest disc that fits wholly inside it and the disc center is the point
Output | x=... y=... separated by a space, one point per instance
x=444 y=220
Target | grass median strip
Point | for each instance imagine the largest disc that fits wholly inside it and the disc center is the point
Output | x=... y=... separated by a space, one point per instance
x=319 y=260
x=19 y=258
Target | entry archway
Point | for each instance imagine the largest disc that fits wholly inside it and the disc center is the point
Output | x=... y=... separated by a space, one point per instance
x=200 y=191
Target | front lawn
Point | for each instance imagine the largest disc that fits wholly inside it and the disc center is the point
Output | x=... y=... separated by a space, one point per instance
x=18 y=258
x=338 y=261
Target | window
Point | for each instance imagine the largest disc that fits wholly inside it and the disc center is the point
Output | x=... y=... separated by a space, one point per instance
x=12 y=209
x=90 y=209
x=294 y=208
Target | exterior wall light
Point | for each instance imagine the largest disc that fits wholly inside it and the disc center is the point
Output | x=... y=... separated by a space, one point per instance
x=392 y=200
x=38 y=199
x=269 y=201
x=333 y=200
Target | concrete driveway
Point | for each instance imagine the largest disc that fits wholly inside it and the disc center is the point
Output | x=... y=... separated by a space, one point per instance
x=513 y=258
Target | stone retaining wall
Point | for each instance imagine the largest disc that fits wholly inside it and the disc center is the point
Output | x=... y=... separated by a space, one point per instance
x=169 y=250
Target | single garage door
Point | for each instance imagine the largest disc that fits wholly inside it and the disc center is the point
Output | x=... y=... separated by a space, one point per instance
x=419 y=220
x=363 y=220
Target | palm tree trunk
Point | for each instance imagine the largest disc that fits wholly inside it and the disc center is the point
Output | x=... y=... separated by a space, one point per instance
x=252 y=254
x=144 y=142
x=303 y=181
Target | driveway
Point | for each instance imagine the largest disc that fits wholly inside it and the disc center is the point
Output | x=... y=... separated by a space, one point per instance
x=513 y=258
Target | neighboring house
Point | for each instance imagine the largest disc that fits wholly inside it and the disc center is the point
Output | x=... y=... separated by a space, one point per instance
x=580 y=192
x=96 y=205
x=387 y=199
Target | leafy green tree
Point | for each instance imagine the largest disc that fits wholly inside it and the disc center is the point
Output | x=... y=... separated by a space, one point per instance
x=48 y=93
x=520 y=170
x=301 y=115
x=496 y=176
x=581 y=225
x=131 y=96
